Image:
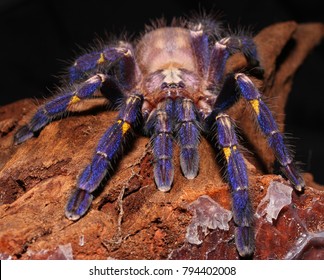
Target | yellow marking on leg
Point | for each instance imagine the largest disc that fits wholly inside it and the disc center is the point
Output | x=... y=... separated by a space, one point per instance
x=228 y=151
x=101 y=59
x=125 y=126
x=255 y=105
x=74 y=99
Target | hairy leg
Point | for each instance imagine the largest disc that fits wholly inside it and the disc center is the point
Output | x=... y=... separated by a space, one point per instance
x=60 y=105
x=270 y=129
x=122 y=55
x=187 y=132
x=161 y=129
x=238 y=180
x=109 y=147
x=222 y=51
x=200 y=45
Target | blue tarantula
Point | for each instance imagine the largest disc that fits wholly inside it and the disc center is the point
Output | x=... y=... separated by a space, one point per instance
x=172 y=83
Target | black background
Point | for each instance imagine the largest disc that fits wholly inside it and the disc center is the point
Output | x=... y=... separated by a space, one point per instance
x=39 y=37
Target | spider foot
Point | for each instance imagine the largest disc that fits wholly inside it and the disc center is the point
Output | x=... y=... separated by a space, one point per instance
x=163 y=174
x=23 y=134
x=294 y=176
x=78 y=204
x=189 y=161
x=244 y=240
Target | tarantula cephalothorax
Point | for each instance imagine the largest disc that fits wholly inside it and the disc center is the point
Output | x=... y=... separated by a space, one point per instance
x=173 y=83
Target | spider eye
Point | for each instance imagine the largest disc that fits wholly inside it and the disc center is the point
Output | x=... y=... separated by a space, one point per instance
x=164 y=86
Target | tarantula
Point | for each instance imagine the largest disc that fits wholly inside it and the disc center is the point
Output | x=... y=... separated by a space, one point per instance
x=172 y=83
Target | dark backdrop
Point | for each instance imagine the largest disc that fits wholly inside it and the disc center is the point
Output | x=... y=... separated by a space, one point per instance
x=38 y=37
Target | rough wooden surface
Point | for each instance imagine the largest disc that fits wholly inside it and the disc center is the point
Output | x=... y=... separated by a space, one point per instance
x=129 y=218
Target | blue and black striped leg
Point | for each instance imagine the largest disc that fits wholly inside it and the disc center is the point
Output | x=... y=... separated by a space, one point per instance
x=238 y=180
x=188 y=133
x=123 y=55
x=59 y=106
x=109 y=147
x=160 y=127
x=270 y=129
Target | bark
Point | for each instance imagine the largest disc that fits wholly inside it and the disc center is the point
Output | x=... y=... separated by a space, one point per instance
x=129 y=218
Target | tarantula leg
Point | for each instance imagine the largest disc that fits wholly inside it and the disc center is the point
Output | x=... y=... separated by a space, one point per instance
x=221 y=52
x=270 y=129
x=108 y=56
x=79 y=202
x=218 y=59
x=188 y=133
x=159 y=124
x=90 y=61
x=244 y=44
x=109 y=147
x=199 y=42
x=238 y=180
x=59 y=106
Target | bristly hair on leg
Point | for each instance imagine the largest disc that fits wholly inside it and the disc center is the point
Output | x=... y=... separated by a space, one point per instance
x=209 y=22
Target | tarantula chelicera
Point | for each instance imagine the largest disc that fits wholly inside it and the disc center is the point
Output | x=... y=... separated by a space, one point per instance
x=172 y=83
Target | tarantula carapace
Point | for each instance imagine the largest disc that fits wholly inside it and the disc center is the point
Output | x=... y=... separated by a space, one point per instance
x=172 y=85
